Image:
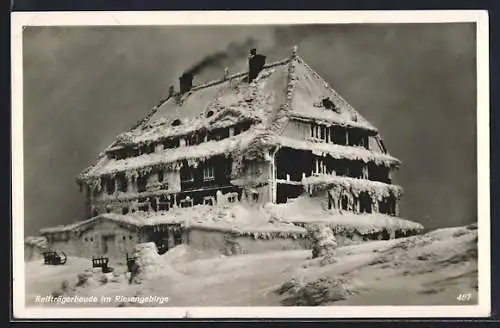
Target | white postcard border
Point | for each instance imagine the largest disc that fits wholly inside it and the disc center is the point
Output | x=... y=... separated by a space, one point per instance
x=21 y=19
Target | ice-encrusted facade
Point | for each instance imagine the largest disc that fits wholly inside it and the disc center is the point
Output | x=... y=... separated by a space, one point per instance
x=265 y=140
x=268 y=135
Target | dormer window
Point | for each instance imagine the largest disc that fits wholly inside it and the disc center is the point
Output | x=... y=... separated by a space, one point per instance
x=176 y=122
x=328 y=104
x=210 y=113
x=208 y=173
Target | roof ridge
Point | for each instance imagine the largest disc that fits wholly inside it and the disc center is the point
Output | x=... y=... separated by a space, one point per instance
x=236 y=75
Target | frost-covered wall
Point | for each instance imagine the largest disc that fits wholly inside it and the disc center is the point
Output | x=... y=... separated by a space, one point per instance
x=297 y=130
x=107 y=239
x=254 y=178
x=98 y=239
x=216 y=241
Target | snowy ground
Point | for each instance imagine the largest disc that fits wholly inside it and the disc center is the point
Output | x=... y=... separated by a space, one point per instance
x=430 y=269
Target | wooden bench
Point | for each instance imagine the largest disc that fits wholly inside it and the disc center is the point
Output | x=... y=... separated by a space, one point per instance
x=53 y=258
x=101 y=262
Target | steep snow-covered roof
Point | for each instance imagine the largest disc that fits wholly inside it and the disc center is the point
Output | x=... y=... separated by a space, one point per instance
x=229 y=101
x=309 y=91
x=283 y=90
x=203 y=150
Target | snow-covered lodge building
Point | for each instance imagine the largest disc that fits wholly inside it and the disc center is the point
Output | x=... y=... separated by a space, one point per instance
x=264 y=136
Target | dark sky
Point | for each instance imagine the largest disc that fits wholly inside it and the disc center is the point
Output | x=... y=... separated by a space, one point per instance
x=415 y=82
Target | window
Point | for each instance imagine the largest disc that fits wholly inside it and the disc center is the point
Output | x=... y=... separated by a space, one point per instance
x=110 y=185
x=208 y=173
x=192 y=140
x=345 y=202
x=187 y=175
x=122 y=182
x=171 y=143
x=125 y=210
x=142 y=181
x=365 y=203
x=124 y=238
x=177 y=237
x=160 y=175
x=144 y=208
x=328 y=104
x=163 y=206
x=209 y=200
x=186 y=202
x=86 y=239
x=232 y=197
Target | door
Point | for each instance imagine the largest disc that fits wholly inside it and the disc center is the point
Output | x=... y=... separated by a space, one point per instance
x=108 y=244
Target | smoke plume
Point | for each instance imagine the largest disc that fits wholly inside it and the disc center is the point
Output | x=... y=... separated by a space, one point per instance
x=233 y=52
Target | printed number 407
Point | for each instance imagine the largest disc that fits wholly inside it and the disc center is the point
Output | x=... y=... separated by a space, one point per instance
x=464 y=297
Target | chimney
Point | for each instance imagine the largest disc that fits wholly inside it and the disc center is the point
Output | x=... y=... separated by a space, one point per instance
x=185 y=82
x=256 y=63
x=171 y=91
x=226 y=73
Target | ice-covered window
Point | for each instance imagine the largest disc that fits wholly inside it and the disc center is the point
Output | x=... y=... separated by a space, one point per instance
x=122 y=182
x=208 y=173
x=187 y=174
x=345 y=202
x=186 y=202
x=177 y=237
x=232 y=197
x=171 y=143
x=209 y=200
x=163 y=206
x=142 y=182
x=365 y=203
x=110 y=185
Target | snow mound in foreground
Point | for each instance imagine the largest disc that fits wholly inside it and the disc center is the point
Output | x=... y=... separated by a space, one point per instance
x=149 y=264
x=430 y=264
x=318 y=292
